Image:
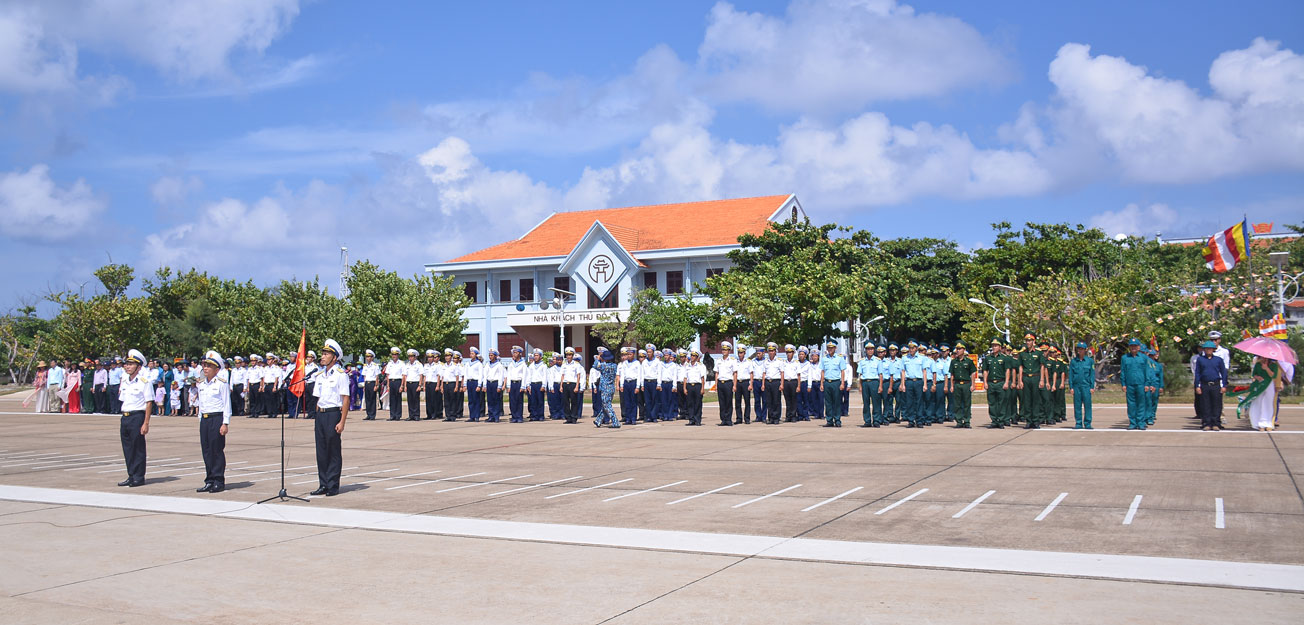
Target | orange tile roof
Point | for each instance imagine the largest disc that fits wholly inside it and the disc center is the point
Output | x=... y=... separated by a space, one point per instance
x=690 y=224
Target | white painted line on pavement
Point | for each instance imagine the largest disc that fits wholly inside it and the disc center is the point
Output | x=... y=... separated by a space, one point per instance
x=30 y=454
x=628 y=479
x=1052 y=505
x=644 y=491
x=146 y=466
x=1218 y=514
x=277 y=477
x=762 y=497
x=714 y=490
x=901 y=501
x=506 y=479
x=831 y=499
x=1131 y=511
x=973 y=504
x=91 y=460
x=44 y=460
x=396 y=477
x=517 y=490
x=195 y=465
x=1218 y=573
x=373 y=472
x=306 y=466
x=442 y=479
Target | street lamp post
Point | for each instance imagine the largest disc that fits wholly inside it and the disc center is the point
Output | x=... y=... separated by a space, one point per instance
x=862 y=333
x=1005 y=308
x=1278 y=260
x=560 y=302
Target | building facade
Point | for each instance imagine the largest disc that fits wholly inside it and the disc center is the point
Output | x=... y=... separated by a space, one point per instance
x=600 y=257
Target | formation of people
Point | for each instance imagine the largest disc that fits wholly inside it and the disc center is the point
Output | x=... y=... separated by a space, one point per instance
x=918 y=385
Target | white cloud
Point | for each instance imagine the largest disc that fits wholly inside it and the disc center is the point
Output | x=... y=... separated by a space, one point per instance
x=1153 y=129
x=173 y=190
x=185 y=41
x=34 y=208
x=838 y=55
x=551 y=115
x=1136 y=220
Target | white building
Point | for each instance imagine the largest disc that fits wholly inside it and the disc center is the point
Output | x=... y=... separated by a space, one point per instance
x=602 y=256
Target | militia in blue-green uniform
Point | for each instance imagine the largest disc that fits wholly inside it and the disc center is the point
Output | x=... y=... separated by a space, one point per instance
x=1082 y=379
x=1134 y=372
x=962 y=370
x=1156 y=385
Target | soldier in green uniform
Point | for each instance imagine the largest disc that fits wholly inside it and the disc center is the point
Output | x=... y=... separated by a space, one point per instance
x=1031 y=381
x=1046 y=393
x=1134 y=373
x=998 y=387
x=1060 y=373
x=1156 y=385
x=985 y=365
x=962 y=372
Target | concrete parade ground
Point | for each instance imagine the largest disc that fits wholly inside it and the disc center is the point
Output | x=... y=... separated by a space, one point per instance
x=553 y=523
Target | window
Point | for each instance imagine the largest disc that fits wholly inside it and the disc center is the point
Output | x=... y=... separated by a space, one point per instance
x=563 y=283
x=471 y=291
x=504 y=290
x=611 y=301
x=674 y=282
x=649 y=279
x=527 y=290
x=508 y=340
x=714 y=272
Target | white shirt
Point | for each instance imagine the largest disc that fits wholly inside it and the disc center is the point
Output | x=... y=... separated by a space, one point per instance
x=554 y=375
x=332 y=387
x=669 y=372
x=135 y=393
x=773 y=368
x=237 y=375
x=272 y=375
x=572 y=372
x=694 y=373
x=394 y=369
x=629 y=371
x=516 y=370
x=453 y=373
x=370 y=371
x=432 y=371
x=650 y=369
x=792 y=369
x=475 y=371
x=1226 y=356
x=215 y=396
x=594 y=376
x=538 y=372
x=412 y=371
x=495 y=372
x=310 y=371
x=727 y=370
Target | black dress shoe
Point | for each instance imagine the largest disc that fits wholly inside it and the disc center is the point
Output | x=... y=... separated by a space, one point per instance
x=205 y=488
x=136 y=483
x=332 y=492
x=126 y=482
x=319 y=491
x=217 y=489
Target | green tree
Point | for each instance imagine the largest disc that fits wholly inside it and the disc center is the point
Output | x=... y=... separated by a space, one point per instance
x=116 y=279
x=795 y=283
x=1018 y=257
x=920 y=306
x=385 y=309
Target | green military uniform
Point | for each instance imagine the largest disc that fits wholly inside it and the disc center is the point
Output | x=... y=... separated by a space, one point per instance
x=962 y=371
x=1082 y=379
x=1060 y=370
x=997 y=394
x=1133 y=372
x=1030 y=362
x=1046 y=395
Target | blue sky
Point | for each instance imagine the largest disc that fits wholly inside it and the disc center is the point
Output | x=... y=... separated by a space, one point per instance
x=252 y=139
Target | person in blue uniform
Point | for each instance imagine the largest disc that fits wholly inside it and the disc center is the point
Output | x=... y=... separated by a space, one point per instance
x=1210 y=384
x=912 y=384
x=869 y=380
x=834 y=369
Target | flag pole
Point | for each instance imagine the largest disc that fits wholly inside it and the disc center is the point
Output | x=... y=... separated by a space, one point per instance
x=298 y=362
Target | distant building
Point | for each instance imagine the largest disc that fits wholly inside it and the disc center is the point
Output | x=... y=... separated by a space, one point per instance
x=602 y=256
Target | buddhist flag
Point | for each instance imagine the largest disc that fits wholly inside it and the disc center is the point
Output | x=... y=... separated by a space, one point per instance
x=1227 y=248
x=1274 y=327
x=296 y=380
